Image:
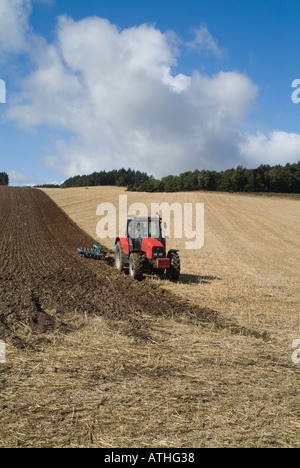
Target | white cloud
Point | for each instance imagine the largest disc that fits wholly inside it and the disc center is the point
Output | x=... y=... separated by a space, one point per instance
x=118 y=98
x=116 y=92
x=277 y=147
x=49 y=94
x=18 y=179
x=14 y=28
x=205 y=42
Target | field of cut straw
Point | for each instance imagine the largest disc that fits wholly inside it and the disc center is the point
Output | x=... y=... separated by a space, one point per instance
x=94 y=359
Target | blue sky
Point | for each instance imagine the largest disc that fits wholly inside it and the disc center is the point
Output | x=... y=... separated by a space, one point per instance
x=161 y=86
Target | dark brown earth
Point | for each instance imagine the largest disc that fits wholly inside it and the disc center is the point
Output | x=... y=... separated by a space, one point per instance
x=43 y=279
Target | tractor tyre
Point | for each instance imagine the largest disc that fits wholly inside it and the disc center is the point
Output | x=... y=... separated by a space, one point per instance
x=119 y=257
x=173 y=273
x=136 y=266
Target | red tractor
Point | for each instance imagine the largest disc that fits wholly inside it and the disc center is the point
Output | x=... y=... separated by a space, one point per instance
x=143 y=250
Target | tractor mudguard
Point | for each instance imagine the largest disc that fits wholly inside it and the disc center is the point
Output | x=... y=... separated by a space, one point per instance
x=124 y=243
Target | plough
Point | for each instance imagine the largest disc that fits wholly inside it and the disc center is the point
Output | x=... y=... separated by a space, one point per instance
x=95 y=252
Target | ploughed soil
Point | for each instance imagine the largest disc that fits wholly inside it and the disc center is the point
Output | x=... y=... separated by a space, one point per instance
x=43 y=279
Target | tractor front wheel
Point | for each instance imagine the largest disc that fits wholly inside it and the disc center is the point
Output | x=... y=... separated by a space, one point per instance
x=136 y=266
x=173 y=273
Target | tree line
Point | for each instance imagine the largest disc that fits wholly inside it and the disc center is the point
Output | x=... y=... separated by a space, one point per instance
x=265 y=178
x=4 y=179
x=120 y=178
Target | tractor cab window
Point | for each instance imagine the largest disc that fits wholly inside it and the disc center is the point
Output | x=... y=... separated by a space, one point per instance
x=154 y=229
x=138 y=229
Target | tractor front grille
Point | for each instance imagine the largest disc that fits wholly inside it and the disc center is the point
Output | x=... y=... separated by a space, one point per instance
x=158 y=252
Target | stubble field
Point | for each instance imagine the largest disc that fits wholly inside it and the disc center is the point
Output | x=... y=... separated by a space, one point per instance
x=95 y=359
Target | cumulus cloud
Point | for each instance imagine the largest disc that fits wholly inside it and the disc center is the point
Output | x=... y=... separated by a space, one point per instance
x=277 y=147
x=119 y=99
x=116 y=93
x=14 y=27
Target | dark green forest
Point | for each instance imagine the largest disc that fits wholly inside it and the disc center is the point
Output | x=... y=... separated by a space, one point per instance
x=265 y=178
x=4 y=180
x=119 y=178
x=278 y=179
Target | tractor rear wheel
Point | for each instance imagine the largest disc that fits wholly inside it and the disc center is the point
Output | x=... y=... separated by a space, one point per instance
x=136 y=266
x=173 y=273
x=119 y=257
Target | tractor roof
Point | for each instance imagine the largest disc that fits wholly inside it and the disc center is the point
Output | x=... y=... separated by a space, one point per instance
x=143 y=218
